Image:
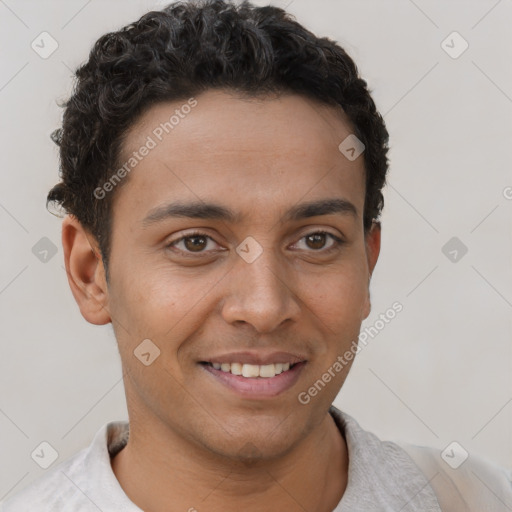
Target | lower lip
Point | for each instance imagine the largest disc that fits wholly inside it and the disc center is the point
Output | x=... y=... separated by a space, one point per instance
x=257 y=387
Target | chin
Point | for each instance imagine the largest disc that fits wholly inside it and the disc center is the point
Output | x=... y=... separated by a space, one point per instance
x=251 y=450
x=249 y=439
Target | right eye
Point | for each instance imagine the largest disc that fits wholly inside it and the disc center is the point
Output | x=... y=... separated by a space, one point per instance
x=192 y=243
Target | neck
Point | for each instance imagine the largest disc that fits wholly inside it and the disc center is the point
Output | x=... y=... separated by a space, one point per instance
x=159 y=468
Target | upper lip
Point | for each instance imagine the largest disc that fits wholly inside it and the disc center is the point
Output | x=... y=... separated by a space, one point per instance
x=258 y=358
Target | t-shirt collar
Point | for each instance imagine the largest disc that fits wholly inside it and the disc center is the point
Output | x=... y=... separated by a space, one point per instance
x=381 y=476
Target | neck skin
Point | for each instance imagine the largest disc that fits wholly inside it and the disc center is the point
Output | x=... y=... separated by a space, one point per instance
x=161 y=473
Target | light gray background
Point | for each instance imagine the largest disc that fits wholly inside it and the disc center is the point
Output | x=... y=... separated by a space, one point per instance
x=439 y=372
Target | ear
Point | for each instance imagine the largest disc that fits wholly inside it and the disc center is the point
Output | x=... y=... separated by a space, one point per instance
x=372 y=245
x=86 y=274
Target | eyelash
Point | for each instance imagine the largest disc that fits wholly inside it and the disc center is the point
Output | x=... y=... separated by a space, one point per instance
x=338 y=242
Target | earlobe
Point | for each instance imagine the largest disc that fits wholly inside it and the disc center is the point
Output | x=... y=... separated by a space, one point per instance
x=367 y=306
x=372 y=243
x=85 y=271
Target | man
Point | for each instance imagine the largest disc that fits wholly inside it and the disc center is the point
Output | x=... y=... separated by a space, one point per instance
x=222 y=170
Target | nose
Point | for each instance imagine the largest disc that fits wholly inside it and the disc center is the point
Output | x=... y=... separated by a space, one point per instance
x=261 y=293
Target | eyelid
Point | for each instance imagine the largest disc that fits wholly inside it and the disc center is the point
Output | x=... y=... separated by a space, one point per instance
x=190 y=235
x=338 y=241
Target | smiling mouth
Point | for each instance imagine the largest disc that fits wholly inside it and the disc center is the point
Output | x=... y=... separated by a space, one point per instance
x=254 y=381
x=252 y=371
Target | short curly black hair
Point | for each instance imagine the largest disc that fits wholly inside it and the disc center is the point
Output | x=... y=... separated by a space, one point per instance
x=181 y=51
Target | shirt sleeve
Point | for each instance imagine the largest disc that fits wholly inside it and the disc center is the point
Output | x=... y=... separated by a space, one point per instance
x=477 y=485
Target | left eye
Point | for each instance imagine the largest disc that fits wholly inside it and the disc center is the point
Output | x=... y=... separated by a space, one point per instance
x=197 y=242
x=318 y=238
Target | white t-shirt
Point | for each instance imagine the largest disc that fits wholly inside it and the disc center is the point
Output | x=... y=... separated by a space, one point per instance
x=382 y=477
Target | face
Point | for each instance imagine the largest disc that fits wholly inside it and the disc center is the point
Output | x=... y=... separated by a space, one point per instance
x=238 y=243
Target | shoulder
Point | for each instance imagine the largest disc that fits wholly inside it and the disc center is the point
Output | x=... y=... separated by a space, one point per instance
x=53 y=491
x=462 y=481
x=449 y=480
x=85 y=482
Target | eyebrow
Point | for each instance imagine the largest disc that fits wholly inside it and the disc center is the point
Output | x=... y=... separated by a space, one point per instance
x=212 y=211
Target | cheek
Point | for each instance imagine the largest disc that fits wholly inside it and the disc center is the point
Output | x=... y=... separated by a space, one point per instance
x=338 y=298
x=162 y=304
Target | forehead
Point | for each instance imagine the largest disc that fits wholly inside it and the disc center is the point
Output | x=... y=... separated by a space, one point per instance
x=243 y=151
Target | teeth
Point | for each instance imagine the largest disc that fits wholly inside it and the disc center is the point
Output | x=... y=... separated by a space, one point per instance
x=253 y=370
x=267 y=370
x=236 y=369
x=250 y=370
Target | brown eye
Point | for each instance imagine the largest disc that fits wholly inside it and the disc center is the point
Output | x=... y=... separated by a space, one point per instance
x=316 y=240
x=195 y=243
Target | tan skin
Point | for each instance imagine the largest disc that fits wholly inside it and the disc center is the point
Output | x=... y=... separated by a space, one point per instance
x=194 y=444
